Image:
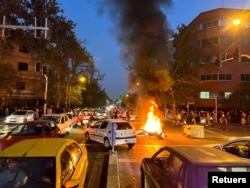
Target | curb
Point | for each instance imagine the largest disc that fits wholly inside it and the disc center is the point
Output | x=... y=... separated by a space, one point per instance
x=113 y=180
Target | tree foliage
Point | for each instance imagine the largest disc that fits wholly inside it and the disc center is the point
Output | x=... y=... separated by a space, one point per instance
x=186 y=84
x=65 y=56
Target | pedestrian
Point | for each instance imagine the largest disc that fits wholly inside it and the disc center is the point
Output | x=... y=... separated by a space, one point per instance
x=128 y=115
x=36 y=114
x=223 y=122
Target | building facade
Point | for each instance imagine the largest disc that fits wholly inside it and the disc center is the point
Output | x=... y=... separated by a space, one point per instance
x=28 y=81
x=221 y=47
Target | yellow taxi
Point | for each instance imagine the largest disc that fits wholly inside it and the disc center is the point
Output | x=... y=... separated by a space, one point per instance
x=46 y=162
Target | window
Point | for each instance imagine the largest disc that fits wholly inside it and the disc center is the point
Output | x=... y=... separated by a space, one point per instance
x=20 y=85
x=104 y=125
x=22 y=66
x=75 y=152
x=67 y=166
x=245 y=77
x=23 y=49
x=214 y=76
x=209 y=24
x=225 y=40
x=225 y=77
x=204 y=95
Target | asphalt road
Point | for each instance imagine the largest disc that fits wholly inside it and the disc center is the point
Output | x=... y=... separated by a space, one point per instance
x=128 y=160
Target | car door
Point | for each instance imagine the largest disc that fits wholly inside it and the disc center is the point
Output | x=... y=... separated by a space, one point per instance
x=61 y=124
x=93 y=131
x=52 y=130
x=156 y=171
x=102 y=131
x=174 y=170
x=73 y=165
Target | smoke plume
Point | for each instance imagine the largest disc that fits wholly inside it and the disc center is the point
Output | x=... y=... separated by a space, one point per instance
x=143 y=32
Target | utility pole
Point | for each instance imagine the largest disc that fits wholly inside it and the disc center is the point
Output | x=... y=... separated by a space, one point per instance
x=45 y=95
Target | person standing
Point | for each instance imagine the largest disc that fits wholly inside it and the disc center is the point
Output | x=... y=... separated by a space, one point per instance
x=36 y=114
x=223 y=122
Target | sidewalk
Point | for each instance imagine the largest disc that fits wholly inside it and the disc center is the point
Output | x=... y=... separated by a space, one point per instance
x=233 y=129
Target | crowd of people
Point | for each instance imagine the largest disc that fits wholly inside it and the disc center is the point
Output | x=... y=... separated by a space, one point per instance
x=209 y=118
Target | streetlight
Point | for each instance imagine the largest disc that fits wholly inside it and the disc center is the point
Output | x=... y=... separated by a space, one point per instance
x=45 y=94
x=82 y=80
x=236 y=51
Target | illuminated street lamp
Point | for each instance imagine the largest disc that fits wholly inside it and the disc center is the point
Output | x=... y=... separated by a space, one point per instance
x=236 y=50
x=82 y=80
x=236 y=22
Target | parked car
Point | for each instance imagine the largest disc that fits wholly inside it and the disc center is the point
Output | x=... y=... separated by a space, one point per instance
x=62 y=120
x=102 y=130
x=187 y=166
x=20 y=116
x=73 y=118
x=64 y=159
x=30 y=130
x=239 y=147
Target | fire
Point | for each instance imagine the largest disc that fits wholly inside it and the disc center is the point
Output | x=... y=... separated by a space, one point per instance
x=153 y=123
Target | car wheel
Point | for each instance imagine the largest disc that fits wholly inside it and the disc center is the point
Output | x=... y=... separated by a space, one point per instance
x=106 y=143
x=87 y=138
x=130 y=145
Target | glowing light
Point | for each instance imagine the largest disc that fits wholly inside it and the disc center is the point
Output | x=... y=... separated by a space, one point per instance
x=236 y=22
x=153 y=123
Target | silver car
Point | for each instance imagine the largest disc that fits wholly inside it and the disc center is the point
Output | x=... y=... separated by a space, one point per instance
x=20 y=116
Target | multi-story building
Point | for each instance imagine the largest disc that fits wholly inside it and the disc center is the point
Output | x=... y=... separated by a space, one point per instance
x=29 y=82
x=221 y=40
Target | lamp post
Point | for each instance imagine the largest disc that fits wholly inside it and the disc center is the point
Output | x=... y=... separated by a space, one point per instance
x=236 y=51
x=45 y=94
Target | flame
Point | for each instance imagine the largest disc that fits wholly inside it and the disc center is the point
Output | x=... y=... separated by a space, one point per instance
x=153 y=123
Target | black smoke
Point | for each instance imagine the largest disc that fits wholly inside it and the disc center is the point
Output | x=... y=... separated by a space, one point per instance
x=143 y=32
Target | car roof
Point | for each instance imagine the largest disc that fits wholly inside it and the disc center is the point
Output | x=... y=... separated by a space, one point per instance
x=40 y=147
x=38 y=121
x=114 y=120
x=54 y=114
x=206 y=155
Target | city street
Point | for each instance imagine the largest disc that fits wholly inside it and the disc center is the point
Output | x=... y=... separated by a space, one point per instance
x=129 y=159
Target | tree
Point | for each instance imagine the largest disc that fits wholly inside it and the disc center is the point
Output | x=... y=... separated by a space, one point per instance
x=181 y=71
x=93 y=95
x=68 y=57
x=7 y=78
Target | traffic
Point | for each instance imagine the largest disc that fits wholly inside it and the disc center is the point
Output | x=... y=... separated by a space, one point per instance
x=127 y=154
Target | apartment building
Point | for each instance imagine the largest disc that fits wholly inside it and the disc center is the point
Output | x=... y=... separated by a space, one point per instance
x=29 y=82
x=221 y=53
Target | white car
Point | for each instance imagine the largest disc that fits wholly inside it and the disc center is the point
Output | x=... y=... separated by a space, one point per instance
x=72 y=117
x=62 y=120
x=111 y=132
x=239 y=146
x=20 y=116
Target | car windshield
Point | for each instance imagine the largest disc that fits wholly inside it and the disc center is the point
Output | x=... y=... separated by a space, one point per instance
x=37 y=170
x=123 y=125
x=20 y=112
x=27 y=129
x=203 y=172
x=53 y=118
